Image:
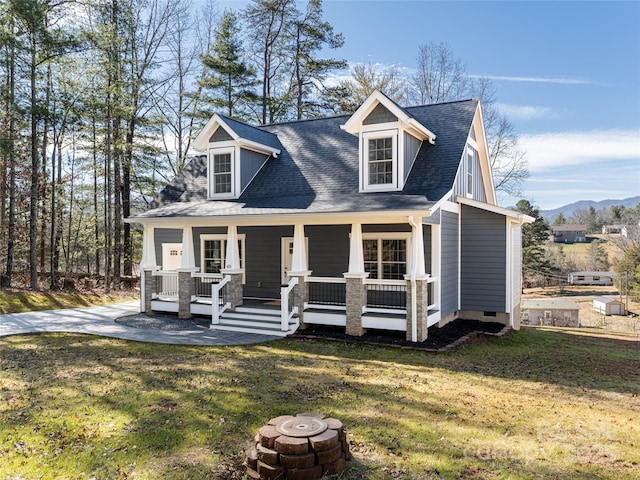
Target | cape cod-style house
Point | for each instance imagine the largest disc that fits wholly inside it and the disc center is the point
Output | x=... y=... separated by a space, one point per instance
x=385 y=219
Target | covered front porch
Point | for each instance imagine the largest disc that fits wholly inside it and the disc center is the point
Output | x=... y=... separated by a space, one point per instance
x=369 y=273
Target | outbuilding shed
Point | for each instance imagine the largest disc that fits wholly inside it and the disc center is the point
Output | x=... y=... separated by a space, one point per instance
x=548 y=311
x=608 y=306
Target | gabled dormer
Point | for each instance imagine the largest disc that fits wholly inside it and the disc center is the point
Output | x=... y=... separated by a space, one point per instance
x=235 y=153
x=389 y=142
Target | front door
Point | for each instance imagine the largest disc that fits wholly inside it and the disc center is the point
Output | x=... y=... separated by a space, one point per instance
x=287 y=256
x=171 y=260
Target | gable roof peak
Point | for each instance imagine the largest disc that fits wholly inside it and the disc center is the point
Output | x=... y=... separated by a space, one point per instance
x=353 y=124
x=244 y=134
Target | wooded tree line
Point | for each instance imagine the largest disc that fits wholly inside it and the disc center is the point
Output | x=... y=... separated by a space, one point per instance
x=100 y=99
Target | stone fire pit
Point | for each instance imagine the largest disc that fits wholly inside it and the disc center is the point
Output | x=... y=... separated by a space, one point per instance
x=304 y=447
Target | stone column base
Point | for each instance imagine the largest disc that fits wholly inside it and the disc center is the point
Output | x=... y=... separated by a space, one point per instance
x=234 y=289
x=422 y=301
x=186 y=290
x=301 y=296
x=149 y=287
x=356 y=300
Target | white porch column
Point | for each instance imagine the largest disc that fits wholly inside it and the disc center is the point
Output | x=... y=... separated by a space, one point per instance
x=147 y=265
x=188 y=256
x=417 y=251
x=148 y=261
x=232 y=257
x=356 y=255
x=299 y=265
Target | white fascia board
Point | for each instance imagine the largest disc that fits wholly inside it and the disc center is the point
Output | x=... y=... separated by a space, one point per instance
x=352 y=125
x=423 y=132
x=483 y=150
x=202 y=140
x=521 y=217
x=258 y=147
x=342 y=218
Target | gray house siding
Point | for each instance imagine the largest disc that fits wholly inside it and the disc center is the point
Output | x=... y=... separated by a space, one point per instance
x=411 y=147
x=379 y=114
x=449 y=263
x=483 y=261
x=263 y=247
x=328 y=249
x=250 y=163
x=165 y=235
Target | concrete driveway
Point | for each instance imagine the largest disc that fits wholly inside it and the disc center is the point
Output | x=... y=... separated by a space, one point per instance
x=101 y=321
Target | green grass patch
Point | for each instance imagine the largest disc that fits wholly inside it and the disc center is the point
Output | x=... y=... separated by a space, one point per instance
x=18 y=301
x=532 y=405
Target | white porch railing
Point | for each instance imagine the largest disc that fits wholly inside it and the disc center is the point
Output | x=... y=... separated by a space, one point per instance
x=202 y=284
x=327 y=293
x=287 y=311
x=218 y=305
x=386 y=296
x=431 y=297
x=166 y=286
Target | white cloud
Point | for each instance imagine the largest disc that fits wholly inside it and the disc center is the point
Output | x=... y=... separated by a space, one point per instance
x=561 y=81
x=550 y=151
x=529 y=112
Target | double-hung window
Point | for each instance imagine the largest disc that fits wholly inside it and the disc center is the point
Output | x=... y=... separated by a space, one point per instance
x=221 y=173
x=213 y=251
x=380 y=161
x=385 y=257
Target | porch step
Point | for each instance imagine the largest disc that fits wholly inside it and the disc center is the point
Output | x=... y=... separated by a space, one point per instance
x=265 y=321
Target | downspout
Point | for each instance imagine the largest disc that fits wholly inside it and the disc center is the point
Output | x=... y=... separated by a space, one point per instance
x=414 y=287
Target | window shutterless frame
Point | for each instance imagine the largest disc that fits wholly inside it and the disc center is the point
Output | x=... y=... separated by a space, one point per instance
x=379 y=161
x=221 y=173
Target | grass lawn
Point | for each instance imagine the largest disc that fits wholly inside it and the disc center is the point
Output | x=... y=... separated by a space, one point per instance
x=21 y=300
x=537 y=404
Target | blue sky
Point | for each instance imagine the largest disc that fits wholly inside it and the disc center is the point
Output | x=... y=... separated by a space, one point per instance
x=567 y=74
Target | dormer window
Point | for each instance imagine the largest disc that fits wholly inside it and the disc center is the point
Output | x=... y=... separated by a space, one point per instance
x=390 y=139
x=221 y=173
x=381 y=156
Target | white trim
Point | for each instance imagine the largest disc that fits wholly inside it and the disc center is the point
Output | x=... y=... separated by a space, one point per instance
x=377 y=134
x=284 y=272
x=521 y=217
x=201 y=142
x=354 y=123
x=211 y=195
x=223 y=238
x=320 y=218
x=483 y=155
x=380 y=236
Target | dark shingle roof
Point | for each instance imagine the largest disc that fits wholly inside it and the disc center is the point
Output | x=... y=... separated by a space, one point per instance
x=317 y=170
x=254 y=134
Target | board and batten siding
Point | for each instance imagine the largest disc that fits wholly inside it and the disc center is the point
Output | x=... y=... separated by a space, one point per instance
x=165 y=235
x=460 y=185
x=411 y=147
x=483 y=267
x=449 y=262
x=250 y=163
x=328 y=254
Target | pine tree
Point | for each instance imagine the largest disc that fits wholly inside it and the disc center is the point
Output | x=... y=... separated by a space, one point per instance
x=231 y=79
x=535 y=262
x=309 y=35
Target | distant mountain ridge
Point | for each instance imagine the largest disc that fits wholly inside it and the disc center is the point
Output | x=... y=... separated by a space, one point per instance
x=568 y=210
